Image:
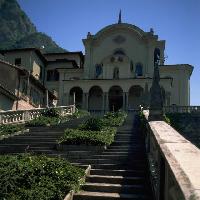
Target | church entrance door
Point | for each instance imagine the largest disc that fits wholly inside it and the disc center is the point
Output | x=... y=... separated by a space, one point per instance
x=115 y=98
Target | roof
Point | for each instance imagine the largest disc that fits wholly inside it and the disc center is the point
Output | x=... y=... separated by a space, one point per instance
x=65 y=53
x=121 y=25
x=37 y=51
x=74 y=63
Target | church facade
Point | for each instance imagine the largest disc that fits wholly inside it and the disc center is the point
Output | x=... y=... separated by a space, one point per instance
x=116 y=71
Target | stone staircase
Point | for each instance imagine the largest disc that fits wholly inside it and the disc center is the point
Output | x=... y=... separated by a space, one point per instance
x=120 y=172
x=38 y=140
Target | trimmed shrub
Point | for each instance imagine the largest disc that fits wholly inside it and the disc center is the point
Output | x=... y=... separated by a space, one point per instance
x=92 y=124
x=51 y=112
x=88 y=137
x=43 y=121
x=114 y=118
x=80 y=113
x=6 y=129
x=32 y=177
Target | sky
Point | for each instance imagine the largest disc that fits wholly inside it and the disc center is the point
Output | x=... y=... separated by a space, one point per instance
x=176 y=21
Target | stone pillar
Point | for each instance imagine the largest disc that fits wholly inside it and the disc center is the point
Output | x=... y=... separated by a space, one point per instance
x=103 y=102
x=67 y=98
x=127 y=101
x=85 y=100
x=106 y=101
x=124 y=100
x=47 y=98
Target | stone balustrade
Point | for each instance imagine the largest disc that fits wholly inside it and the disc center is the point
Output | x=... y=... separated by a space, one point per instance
x=174 y=162
x=21 y=116
x=181 y=109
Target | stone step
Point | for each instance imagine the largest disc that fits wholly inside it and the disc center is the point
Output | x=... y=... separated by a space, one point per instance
x=31 y=141
x=36 y=136
x=113 y=188
x=115 y=179
x=112 y=166
x=118 y=156
x=106 y=161
x=108 y=196
x=120 y=172
x=117 y=152
x=125 y=148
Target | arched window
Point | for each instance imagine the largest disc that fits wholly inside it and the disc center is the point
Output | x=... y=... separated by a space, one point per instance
x=116 y=73
x=138 y=69
x=156 y=55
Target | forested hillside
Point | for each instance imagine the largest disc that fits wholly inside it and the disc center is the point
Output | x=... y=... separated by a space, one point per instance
x=17 y=31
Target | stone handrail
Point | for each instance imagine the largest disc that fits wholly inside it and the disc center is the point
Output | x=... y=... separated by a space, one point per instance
x=174 y=162
x=21 y=116
x=181 y=109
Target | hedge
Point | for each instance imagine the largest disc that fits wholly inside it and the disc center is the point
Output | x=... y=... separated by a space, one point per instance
x=32 y=177
x=9 y=129
x=114 y=118
x=43 y=121
x=88 y=137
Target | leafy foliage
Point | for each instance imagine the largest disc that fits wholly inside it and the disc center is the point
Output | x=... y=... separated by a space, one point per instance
x=7 y=129
x=92 y=124
x=114 y=118
x=51 y=112
x=80 y=113
x=32 y=177
x=43 y=121
x=88 y=137
x=38 y=40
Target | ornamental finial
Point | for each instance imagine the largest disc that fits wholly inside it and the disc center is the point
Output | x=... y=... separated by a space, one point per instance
x=120 y=17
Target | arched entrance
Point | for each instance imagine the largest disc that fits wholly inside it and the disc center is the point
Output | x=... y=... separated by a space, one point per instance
x=95 y=98
x=135 y=97
x=78 y=96
x=115 y=96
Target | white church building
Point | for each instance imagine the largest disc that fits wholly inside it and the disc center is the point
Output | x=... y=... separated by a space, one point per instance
x=117 y=69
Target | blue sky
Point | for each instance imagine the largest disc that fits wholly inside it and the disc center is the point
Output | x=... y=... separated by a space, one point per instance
x=176 y=21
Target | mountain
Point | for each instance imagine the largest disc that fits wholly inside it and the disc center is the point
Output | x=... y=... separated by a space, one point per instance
x=17 y=31
x=39 y=40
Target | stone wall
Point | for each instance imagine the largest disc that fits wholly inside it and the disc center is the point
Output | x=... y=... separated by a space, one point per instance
x=173 y=160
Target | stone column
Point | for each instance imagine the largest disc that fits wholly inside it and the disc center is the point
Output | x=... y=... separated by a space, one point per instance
x=103 y=102
x=67 y=98
x=106 y=101
x=124 y=100
x=127 y=101
x=85 y=100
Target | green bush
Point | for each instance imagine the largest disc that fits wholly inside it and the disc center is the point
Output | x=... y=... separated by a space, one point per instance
x=80 y=113
x=32 y=177
x=92 y=124
x=114 y=118
x=43 y=121
x=88 y=137
x=7 y=129
x=51 y=112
